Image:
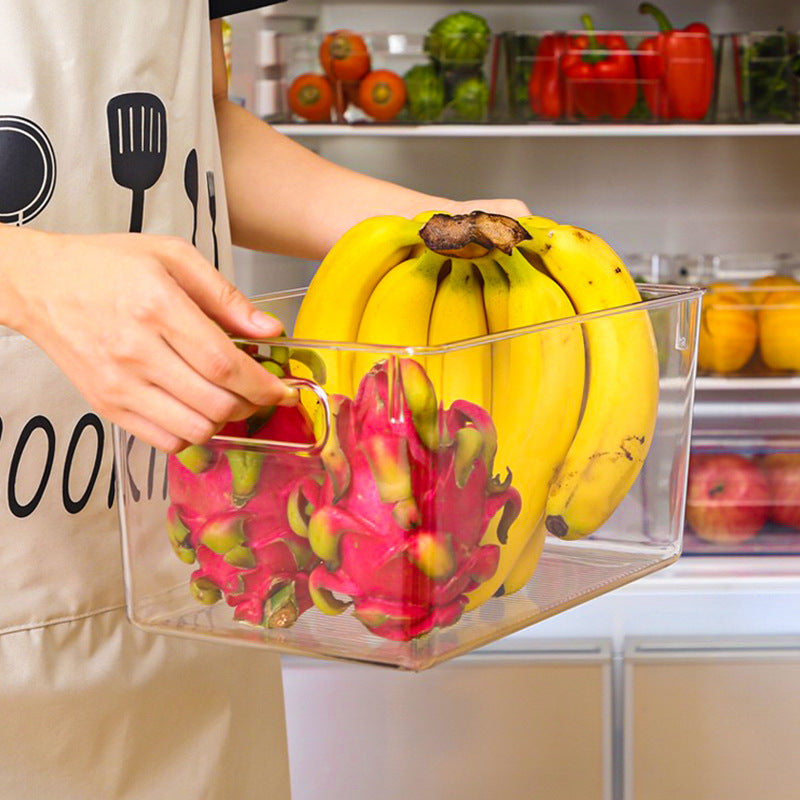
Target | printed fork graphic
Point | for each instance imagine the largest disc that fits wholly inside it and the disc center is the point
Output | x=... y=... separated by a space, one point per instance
x=137 y=133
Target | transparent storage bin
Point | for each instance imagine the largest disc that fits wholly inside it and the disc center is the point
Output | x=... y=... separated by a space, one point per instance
x=750 y=323
x=766 y=67
x=393 y=522
x=743 y=495
x=539 y=85
x=436 y=89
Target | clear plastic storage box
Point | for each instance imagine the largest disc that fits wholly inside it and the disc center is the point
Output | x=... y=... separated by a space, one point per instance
x=750 y=325
x=549 y=76
x=743 y=495
x=766 y=66
x=430 y=87
x=372 y=526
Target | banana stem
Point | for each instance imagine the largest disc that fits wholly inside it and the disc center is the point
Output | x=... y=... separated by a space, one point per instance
x=472 y=235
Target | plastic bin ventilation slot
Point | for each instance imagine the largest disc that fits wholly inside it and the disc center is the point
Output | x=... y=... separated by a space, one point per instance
x=644 y=534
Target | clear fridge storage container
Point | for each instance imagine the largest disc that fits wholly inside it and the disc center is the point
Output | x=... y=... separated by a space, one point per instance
x=743 y=495
x=766 y=67
x=750 y=324
x=438 y=89
x=332 y=540
x=537 y=87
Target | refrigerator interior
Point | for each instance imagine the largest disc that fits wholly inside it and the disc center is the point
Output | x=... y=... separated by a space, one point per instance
x=657 y=189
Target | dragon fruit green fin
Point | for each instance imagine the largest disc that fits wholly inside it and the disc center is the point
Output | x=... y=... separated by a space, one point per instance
x=245 y=472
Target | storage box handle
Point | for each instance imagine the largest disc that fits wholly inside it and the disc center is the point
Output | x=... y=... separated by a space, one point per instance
x=295 y=447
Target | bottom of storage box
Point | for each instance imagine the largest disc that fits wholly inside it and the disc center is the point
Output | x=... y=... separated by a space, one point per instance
x=571 y=574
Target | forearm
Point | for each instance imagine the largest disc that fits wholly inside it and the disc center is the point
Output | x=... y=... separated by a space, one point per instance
x=21 y=251
x=284 y=198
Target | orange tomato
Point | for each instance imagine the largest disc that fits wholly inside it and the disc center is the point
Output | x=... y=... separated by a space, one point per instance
x=382 y=94
x=310 y=96
x=344 y=56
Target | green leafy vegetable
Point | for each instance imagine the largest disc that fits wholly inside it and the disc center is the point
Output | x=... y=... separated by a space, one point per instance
x=770 y=69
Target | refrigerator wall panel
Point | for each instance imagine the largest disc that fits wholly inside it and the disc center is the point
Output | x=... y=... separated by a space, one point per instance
x=516 y=725
x=712 y=718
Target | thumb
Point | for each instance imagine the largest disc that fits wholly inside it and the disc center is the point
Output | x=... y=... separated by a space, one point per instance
x=221 y=300
x=239 y=316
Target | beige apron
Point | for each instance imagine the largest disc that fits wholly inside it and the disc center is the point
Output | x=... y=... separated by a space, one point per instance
x=102 y=106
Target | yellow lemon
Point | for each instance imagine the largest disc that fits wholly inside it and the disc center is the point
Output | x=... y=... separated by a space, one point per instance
x=765 y=287
x=728 y=329
x=779 y=330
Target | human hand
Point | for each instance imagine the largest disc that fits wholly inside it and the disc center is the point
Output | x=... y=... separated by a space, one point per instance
x=138 y=323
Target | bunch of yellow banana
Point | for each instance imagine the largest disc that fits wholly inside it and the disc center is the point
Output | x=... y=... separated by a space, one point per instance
x=574 y=403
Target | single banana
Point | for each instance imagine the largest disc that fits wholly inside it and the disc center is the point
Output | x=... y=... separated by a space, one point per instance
x=457 y=314
x=621 y=403
x=537 y=408
x=495 y=303
x=335 y=300
x=537 y=222
x=424 y=216
x=398 y=310
x=524 y=567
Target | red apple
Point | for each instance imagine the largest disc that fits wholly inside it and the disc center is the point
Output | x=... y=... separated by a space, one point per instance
x=727 y=498
x=783 y=477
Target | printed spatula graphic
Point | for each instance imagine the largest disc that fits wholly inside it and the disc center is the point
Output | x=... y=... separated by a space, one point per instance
x=137 y=134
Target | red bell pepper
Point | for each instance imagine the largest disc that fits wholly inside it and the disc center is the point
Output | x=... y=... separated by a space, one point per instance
x=677 y=68
x=545 y=86
x=600 y=75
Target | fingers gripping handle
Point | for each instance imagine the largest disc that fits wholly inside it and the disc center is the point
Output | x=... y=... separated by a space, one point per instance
x=301 y=384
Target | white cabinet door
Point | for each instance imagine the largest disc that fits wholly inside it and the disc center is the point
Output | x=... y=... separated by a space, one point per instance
x=711 y=719
x=513 y=725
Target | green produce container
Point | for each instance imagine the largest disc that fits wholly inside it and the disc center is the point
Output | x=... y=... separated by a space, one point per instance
x=372 y=526
x=751 y=311
x=767 y=73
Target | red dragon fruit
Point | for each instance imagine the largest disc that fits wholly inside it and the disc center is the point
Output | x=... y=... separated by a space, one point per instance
x=407 y=496
x=242 y=514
